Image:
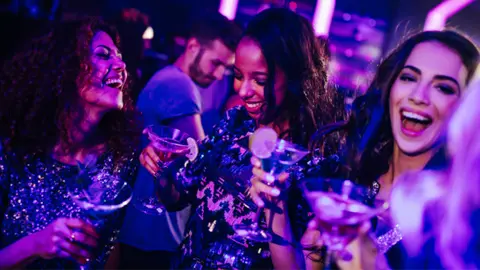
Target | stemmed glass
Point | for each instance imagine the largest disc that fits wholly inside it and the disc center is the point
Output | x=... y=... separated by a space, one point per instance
x=98 y=193
x=172 y=143
x=340 y=208
x=276 y=156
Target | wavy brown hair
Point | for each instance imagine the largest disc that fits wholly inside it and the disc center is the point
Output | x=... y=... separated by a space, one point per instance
x=39 y=92
x=370 y=134
x=287 y=41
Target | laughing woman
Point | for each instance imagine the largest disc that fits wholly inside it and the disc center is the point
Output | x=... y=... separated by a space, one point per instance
x=280 y=76
x=401 y=119
x=63 y=99
x=418 y=91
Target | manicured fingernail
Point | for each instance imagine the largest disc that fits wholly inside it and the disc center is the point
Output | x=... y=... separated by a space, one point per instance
x=269 y=178
x=275 y=192
x=260 y=203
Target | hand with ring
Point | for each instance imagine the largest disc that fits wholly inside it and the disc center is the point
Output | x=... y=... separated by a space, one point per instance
x=65 y=238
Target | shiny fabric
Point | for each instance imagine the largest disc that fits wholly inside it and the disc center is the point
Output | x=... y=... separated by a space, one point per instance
x=34 y=194
x=217 y=185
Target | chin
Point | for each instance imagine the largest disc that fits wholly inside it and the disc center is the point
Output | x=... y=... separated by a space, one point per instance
x=116 y=103
x=111 y=105
x=414 y=148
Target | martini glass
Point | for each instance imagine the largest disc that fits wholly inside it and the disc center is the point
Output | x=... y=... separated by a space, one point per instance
x=172 y=143
x=276 y=156
x=98 y=194
x=340 y=209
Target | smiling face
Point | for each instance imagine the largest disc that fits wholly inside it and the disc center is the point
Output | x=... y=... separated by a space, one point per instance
x=251 y=73
x=103 y=89
x=424 y=94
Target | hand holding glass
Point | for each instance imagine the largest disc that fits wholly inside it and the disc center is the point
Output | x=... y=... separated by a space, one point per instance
x=340 y=210
x=171 y=143
x=98 y=194
x=276 y=156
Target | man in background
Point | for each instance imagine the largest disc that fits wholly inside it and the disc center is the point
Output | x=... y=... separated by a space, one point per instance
x=172 y=97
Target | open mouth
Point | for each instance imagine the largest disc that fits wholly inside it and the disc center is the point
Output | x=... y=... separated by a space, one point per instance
x=415 y=122
x=253 y=105
x=114 y=83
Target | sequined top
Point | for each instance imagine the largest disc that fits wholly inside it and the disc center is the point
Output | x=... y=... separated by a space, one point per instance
x=33 y=194
x=216 y=183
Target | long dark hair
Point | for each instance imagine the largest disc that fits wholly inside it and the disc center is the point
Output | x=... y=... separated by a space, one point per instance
x=370 y=134
x=39 y=92
x=287 y=41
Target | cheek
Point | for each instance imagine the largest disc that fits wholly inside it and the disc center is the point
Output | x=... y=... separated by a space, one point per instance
x=237 y=84
x=397 y=93
x=444 y=105
x=260 y=92
x=98 y=70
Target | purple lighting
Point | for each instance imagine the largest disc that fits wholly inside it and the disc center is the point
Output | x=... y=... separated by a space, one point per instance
x=228 y=8
x=438 y=16
x=322 y=17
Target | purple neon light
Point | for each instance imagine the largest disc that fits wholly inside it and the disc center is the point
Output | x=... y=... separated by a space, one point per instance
x=322 y=17
x=438 y=16
x=228 y=8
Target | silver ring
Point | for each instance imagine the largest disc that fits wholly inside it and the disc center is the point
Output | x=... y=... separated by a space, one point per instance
x=72 y=237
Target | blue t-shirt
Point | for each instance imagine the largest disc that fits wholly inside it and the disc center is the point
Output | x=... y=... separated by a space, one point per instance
x=170 y=93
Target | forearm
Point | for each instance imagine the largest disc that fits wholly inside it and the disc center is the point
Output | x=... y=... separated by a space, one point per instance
x=190 y=124
x=19 y=254
x=284 y=254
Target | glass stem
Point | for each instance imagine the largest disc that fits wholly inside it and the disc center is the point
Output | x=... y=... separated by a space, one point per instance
x=272 y=213
x=329 y=260
x=258 y=215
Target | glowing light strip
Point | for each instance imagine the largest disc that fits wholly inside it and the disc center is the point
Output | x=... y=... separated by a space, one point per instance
x=322 y=18
x=228 y=8
x=438 y=16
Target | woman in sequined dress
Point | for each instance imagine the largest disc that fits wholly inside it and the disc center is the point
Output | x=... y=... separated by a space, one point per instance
x=63 y=98
x=280 y=76
x=401 y=117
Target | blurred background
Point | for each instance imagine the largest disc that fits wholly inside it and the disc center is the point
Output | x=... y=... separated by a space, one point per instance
x=360 y=33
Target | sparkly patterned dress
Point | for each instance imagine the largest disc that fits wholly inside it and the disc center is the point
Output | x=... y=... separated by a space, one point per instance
x=33 y=194
x=216 y=184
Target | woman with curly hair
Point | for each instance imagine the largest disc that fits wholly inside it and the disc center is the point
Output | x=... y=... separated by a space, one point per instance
x=280 y=76
x=63 y=99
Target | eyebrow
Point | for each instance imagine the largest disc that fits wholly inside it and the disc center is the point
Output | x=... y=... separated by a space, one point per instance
x=255 y=73
x=260 y=73
x=438 y=77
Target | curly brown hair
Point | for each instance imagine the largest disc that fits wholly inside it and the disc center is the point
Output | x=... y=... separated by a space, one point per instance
x=287 y=41
x=39 y=91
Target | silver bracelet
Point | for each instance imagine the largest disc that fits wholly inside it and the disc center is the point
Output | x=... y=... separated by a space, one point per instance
x=389 y=239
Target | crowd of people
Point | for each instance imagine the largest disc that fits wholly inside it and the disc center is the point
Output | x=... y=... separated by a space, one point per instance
x=67 y=96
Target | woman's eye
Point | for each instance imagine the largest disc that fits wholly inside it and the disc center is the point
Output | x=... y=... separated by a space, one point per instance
x=446 y=89
x=103 y=55
x=407 y=78
x=261 y=82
